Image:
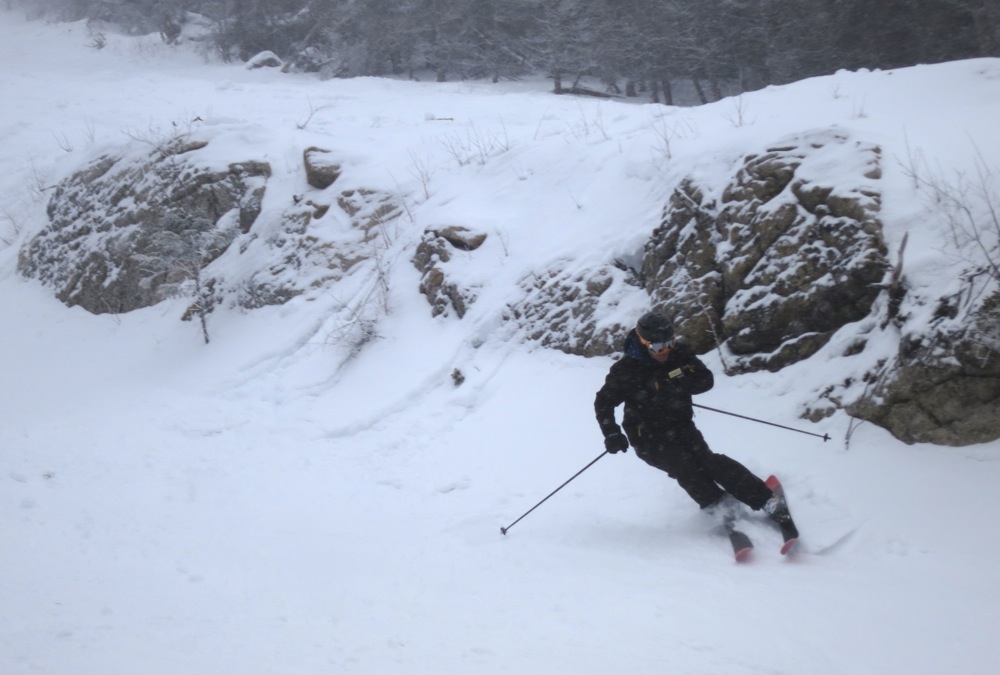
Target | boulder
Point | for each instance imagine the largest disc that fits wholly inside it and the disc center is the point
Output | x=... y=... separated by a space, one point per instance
x=321 y=170
x=264 y=59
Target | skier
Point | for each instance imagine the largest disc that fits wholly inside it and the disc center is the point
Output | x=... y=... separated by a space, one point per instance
x=655 y=379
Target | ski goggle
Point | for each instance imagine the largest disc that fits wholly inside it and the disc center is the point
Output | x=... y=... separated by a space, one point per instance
x=657 y=347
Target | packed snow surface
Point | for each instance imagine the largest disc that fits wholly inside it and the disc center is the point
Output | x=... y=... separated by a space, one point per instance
x=274 y=502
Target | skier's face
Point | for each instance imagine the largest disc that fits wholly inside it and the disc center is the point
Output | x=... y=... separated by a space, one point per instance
x=660 y=356
x=658 y=350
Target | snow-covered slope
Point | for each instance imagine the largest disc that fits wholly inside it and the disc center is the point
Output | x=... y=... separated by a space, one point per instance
x=280 y=502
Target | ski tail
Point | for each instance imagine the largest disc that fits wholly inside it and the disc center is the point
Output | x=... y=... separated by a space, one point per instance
x=742 y=546
x=728 y=509
x=789 y=533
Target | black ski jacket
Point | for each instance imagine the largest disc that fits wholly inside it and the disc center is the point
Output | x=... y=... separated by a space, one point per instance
x=657 y=396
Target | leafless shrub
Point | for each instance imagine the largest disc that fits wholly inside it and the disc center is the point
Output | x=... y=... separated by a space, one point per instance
x=477 y=145
x=422 y=172
x=312 y=112
x=12 y=227
x=667 y=130
x=970 y=205
x=738 y=116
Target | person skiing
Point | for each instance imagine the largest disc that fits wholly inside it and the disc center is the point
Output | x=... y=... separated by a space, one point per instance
x=655 y=380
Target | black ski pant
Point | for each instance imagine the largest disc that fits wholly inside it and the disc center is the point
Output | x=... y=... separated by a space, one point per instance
x=681 y=451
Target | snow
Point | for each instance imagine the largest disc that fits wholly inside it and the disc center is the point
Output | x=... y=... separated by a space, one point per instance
x=276 y=502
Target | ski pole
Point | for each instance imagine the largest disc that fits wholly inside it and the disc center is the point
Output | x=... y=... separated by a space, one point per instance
x=503 y=530
x=825 y=437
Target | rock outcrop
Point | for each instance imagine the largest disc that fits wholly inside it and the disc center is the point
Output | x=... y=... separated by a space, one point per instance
x=574 y=311
x=941 y=386
x=318 y=241
x=764 y=265
x=135 y=228
x=435 y=250
x=126 y=233
x=768 y=267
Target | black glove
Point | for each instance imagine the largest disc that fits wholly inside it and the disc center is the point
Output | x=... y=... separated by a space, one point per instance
x=616 y=443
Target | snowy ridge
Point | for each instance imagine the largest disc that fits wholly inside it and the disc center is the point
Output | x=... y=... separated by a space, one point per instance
x=277 y=502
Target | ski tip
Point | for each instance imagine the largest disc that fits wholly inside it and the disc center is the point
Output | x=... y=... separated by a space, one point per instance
x=789 y=546
x=743 y=554
x=772 y=482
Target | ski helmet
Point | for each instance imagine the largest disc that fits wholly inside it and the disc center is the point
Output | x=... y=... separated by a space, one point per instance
x=655 y=327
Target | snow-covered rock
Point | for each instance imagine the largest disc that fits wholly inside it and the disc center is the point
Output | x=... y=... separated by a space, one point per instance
x=771 y=263
x=134 y=227
x=431 y=258
x=264 y=59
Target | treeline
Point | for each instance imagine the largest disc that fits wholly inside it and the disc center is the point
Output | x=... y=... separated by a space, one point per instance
x=631 y=46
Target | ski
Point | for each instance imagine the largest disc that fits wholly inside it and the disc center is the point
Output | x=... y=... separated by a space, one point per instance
x=742 y=546
x=782 y=517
